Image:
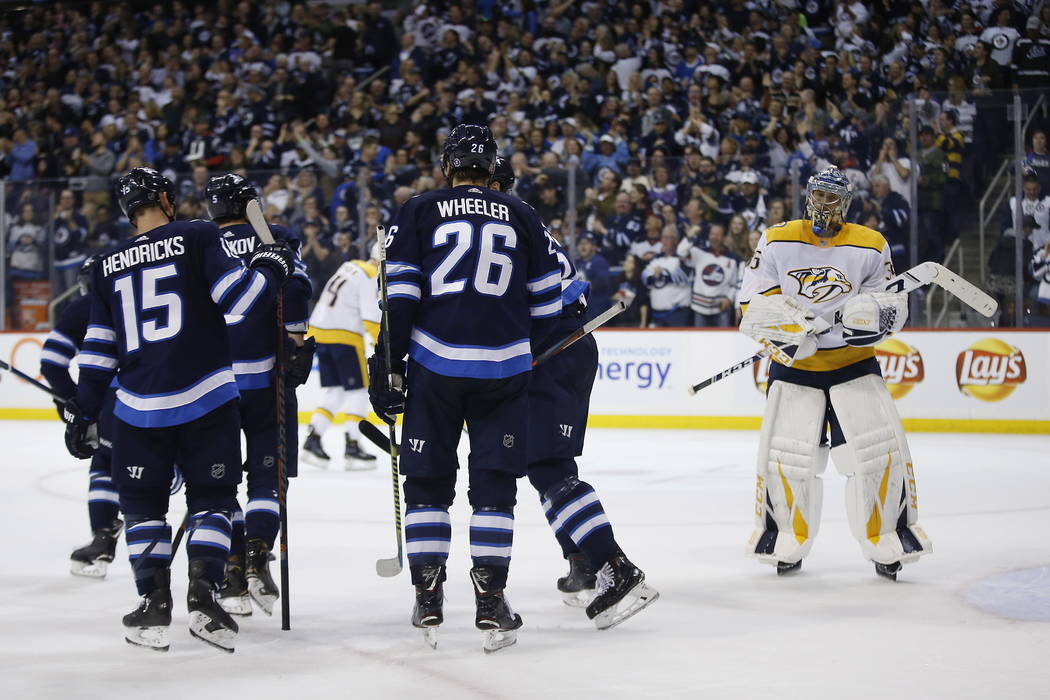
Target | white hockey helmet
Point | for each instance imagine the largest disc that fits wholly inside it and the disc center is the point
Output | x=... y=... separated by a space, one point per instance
x=828 y=196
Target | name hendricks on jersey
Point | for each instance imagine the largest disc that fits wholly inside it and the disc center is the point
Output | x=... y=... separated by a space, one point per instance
x=461 y=207
x=146 y=252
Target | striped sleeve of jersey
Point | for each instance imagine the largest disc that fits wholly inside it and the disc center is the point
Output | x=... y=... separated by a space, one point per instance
x=760 y=275
x=97 y=359
x=62 y=344
x=297 y=292
x=404 y=277
x=545 y=275
x=234 y=288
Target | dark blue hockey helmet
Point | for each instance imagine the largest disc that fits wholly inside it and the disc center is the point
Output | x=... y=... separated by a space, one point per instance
x=226 y=196
x=503 y=174
x=142 y=187
x=84 y=273
x=469 y=147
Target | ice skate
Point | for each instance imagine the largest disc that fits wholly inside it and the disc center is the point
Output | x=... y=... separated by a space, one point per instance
x=785 y=568
x=620 y=592
x=261 y=585
x=147 y=625
x=577 y=586
x=494 y=615
x=208 y=621
x=92 y=560
x=427 y=614
x=233 y=595
x=356 y=459
x=313 y=452
x=888 y=571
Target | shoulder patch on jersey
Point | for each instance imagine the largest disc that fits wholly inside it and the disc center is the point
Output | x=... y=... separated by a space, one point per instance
x=858 y=236
x=820 y=284
x=786 y=231
x=782 y=224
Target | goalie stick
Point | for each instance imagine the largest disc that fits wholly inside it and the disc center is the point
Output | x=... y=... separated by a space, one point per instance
x=253 y=212
x=907 y=281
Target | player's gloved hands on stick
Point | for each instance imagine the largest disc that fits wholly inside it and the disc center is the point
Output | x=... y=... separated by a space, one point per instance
x=298 y=360
x=387 y=397
x=277 y=257
x=81 y=433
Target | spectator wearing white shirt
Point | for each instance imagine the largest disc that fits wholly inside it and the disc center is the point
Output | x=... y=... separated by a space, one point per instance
x=1002 y=37
x=715 y=274
x=895 y=169
x=668 y=284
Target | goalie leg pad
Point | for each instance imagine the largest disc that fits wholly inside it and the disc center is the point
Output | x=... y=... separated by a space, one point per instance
x=881 y=503
x=789 y=491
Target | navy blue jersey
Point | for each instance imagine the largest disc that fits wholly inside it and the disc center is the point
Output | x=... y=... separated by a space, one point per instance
x=474 y=282
x=253 y=338
x=157 y=306
x=62 y=345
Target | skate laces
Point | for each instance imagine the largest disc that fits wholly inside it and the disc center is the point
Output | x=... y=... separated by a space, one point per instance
x=604 y=579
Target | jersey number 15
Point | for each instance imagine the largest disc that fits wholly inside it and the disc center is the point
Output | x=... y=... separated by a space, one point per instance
x=149 y=330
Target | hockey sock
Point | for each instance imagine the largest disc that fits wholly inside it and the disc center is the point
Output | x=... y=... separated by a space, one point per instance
x=237 y=540
x=262 y=516
x=356 y=408
x=544 y=475
x=149 y=549
x=103 y=506
x=209 y=541
x=573 y=509
x=491 y=539
x=332 y=398
x=428 y=535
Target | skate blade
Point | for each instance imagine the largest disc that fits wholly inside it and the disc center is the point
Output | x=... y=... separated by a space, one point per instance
x=221 y=639
x=154 y=638
x=352 y=464
x=499 y=639
x=578 y=599
x=265 y=601
x=430 y=636
x=636 y=600
x=237 y=605
x=314 y=460
x=95 y=569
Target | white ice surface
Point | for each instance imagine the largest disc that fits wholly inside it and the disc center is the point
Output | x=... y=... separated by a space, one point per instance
x=724 y=627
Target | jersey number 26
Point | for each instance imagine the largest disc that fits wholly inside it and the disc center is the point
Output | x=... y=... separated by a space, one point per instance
x=491 y=263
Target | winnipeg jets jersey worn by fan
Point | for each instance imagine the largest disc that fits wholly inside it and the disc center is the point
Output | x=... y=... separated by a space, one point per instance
x=715 y=276
x=168 y=371
x=822 y=273
x=474 y=282
x=62 y=344
x=253 y=341
x=348 y=307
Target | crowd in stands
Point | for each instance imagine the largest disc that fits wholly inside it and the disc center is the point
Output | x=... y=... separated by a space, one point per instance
x=658 y=137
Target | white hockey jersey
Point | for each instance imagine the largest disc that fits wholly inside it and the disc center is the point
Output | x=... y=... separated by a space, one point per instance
x=348 y=307
x=714 y=276
x=668 y=283
x=822 y=273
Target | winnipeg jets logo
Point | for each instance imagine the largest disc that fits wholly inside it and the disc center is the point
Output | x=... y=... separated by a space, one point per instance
x=820 y=284
x=416 y=445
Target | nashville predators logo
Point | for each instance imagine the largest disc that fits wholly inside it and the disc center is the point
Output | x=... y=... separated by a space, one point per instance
x=820 y=284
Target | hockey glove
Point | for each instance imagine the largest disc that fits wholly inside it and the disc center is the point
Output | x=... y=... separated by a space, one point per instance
x=868 y=318
x=783 y=325
x=298 y=361
x=387 y=397
x=278 y=257
x=81 y=433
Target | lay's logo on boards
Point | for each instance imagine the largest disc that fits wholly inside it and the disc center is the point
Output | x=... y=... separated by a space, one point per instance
x=901 y=366
x=990 y=370
x=820 y=284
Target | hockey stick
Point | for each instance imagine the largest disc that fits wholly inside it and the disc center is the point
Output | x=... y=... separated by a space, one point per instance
x=908 y=281
x=374 y=435
x=393 y=565
x=253 y=212
x=589 y=327
x=26 y=378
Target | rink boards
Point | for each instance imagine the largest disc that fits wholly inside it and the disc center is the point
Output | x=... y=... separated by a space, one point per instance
x=986 y=380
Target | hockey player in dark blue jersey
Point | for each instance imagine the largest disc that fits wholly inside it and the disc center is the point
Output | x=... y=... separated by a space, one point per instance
x=61 y=346
x=253 y=344
x=473 y=285
x=559 y=399
x=157 y=329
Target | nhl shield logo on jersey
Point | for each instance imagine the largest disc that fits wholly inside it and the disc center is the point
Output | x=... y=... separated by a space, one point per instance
x=218 y=471
x=508 y=441
x=820 y=284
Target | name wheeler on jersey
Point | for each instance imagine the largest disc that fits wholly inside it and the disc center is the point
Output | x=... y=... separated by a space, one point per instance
x=822 y=273
x=142 y=293
x=464 y=254
x=253 y=341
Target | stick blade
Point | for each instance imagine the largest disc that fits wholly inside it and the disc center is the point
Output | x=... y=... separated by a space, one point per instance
x=253 y=212
x=388 y=568
x=966 y=292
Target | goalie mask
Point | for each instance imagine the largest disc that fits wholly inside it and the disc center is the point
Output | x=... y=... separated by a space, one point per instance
x=828 y=195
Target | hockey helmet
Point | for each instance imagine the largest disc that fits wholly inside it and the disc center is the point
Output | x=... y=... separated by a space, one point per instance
x=142 y=187
x=503 y=174
x=84 y=273
x=828 y=195
x=226 y=196
x=468 y=147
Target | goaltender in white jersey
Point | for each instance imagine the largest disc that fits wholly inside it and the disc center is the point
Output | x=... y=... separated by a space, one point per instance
x=814 y=268
x=346 y=313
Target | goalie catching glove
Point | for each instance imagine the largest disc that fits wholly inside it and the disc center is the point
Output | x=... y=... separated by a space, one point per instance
x=869 y=317
x=785 y=327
